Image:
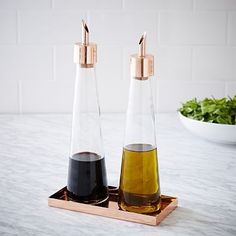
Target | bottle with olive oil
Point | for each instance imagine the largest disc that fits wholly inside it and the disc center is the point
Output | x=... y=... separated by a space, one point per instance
x=139 y=189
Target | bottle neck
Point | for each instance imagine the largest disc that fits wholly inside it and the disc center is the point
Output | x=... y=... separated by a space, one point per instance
x=86 y=94
x=85 y=72
x=140 y=96
x=140 y=119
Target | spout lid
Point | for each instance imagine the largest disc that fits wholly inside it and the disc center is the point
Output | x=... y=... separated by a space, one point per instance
x=85 y=53
x=142 y=64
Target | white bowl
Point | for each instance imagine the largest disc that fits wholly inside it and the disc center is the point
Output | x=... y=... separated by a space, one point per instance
x=219 y=133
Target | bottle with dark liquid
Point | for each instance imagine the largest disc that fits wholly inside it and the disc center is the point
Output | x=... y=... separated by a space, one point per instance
x=87 y=180
x=139 y=189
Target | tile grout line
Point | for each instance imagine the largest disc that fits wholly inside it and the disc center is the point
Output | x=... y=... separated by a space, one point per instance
x=192 y=53
x=122 y=5
x=193 y=44
x=227 y=29
x=226 y=88
x=193 y=6
x=19 y=97
x=17 y=28
x=158 y=29
x=123 y=64
x=52 y=4
x=54 y=74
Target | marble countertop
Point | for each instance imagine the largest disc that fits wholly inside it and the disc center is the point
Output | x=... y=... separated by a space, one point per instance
x=33 y=165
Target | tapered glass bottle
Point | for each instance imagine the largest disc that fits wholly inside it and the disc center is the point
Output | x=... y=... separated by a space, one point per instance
x=139 y=189
x=87 y=180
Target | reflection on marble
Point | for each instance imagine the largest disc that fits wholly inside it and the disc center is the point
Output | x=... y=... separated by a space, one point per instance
x=33 y=165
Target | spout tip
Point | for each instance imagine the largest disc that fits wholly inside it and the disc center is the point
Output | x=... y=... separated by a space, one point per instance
x=142 y=45
x=84 y=25
x=85 y=33
x=143 y=38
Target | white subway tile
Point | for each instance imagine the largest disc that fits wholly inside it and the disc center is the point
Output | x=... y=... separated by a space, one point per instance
x=192 y=28
x=174 y=63
x=214 y=63
x=110 y=63
x=8 y=97
x=50 y=27
x=47 y=96
x=112 y=88
x=65 y=67
x=215 y=5
x=232 y=28
x=87 y=4
x=26 y=63
x=170 y=94
x=113 y=94
x=127 y=52
x=158 y=4
x=7 y=27
x=25 y=4
x=231 y=89
x=122 y=28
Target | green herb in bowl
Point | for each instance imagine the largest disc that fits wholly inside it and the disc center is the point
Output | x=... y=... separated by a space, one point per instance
x=221 y=111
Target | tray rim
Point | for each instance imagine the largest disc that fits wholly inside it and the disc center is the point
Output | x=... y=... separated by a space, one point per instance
x=114 y=213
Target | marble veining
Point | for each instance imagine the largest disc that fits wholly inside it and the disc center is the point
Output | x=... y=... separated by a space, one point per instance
x=33 y=165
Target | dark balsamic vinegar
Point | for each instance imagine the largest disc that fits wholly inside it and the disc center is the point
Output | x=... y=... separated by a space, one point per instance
x=87 y=181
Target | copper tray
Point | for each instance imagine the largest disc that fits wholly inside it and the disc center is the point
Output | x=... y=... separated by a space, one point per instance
x=168 y=204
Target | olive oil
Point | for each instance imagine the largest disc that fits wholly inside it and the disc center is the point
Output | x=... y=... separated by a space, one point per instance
x=139 y=181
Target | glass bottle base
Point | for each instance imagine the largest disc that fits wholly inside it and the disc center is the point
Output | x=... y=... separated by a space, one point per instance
x=139 y=203
x=87 y=182
x=99 y=202
x=139 y=181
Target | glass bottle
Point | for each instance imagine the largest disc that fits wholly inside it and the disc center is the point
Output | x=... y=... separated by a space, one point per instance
x=87 y=180
x=139 y=189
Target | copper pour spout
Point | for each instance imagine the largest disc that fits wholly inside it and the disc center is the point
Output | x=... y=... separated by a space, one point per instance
x=142 y=64
x=85 y=33
x=85 y=53
x=142 y=45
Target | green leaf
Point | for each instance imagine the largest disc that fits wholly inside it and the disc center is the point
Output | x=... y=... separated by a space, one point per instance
x=222 y=111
